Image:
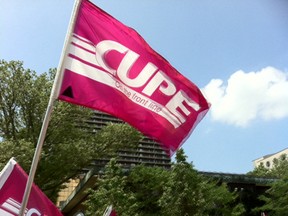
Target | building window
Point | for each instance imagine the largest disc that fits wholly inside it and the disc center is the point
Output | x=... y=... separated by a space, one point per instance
x=268 y=164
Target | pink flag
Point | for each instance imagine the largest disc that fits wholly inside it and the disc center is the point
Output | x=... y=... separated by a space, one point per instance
x=12 y=186
x=109 y=67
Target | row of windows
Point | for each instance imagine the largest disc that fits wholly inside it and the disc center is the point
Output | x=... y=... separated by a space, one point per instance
x=267 y=164
x=139 y=156
x=133 y=162
x=148 y=150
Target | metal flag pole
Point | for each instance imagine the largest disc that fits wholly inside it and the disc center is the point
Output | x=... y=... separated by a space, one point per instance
x=53 y=97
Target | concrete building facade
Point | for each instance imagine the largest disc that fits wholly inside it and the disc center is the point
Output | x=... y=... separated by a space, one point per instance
x=148 y=152
x=267 y=160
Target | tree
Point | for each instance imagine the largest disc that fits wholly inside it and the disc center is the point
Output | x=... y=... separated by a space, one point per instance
x=279 y=168
x=276 y=197
x=151 y=191
x=110 y=189
x=188 y=193
x=135 y=192
x=147 y=185
x=21 y=103
x=182 y=193
x=219 y=200
x=70 y=143
x=260 y=171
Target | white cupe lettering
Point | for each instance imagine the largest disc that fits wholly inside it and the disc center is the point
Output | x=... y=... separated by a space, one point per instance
x=177 y=102
x=125 y=65
x=33 y=212
x=157 y=81
x=103 y=48
x=160 y=81
x=124 y=68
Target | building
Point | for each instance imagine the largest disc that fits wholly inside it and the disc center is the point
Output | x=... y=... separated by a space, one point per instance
x=267 y=160
x=69 y=188
x=148 y=152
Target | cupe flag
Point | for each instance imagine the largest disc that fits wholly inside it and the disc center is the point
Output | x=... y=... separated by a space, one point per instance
x=12 y=186
x=109 y=67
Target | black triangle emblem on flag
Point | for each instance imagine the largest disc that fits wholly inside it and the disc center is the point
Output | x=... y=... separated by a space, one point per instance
x=68 y=92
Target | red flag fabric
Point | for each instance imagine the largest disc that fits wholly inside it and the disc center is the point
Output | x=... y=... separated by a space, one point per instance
x=109 y=67
x=12 y=186
x=113 y=213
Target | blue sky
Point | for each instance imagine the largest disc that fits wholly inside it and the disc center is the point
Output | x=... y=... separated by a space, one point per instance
x=236 y=52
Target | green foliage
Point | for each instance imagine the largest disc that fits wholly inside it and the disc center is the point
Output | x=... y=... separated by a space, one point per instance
x=219 y=200
x=22 y=152
x=279 y=168
x=70 y=143
x=188 y=193
x=276 y=197
x=22 y=95
x=147 y=185
x=260 y=171
x=111 y=191
x=183 y=191
x=238 y=210
x=151 y=191
x=116 y=136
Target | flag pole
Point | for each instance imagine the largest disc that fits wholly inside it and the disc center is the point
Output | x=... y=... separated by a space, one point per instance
x=53 y=96
x=108 y=210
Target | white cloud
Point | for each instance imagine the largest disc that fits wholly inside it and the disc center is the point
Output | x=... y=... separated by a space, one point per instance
x=248 y=96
